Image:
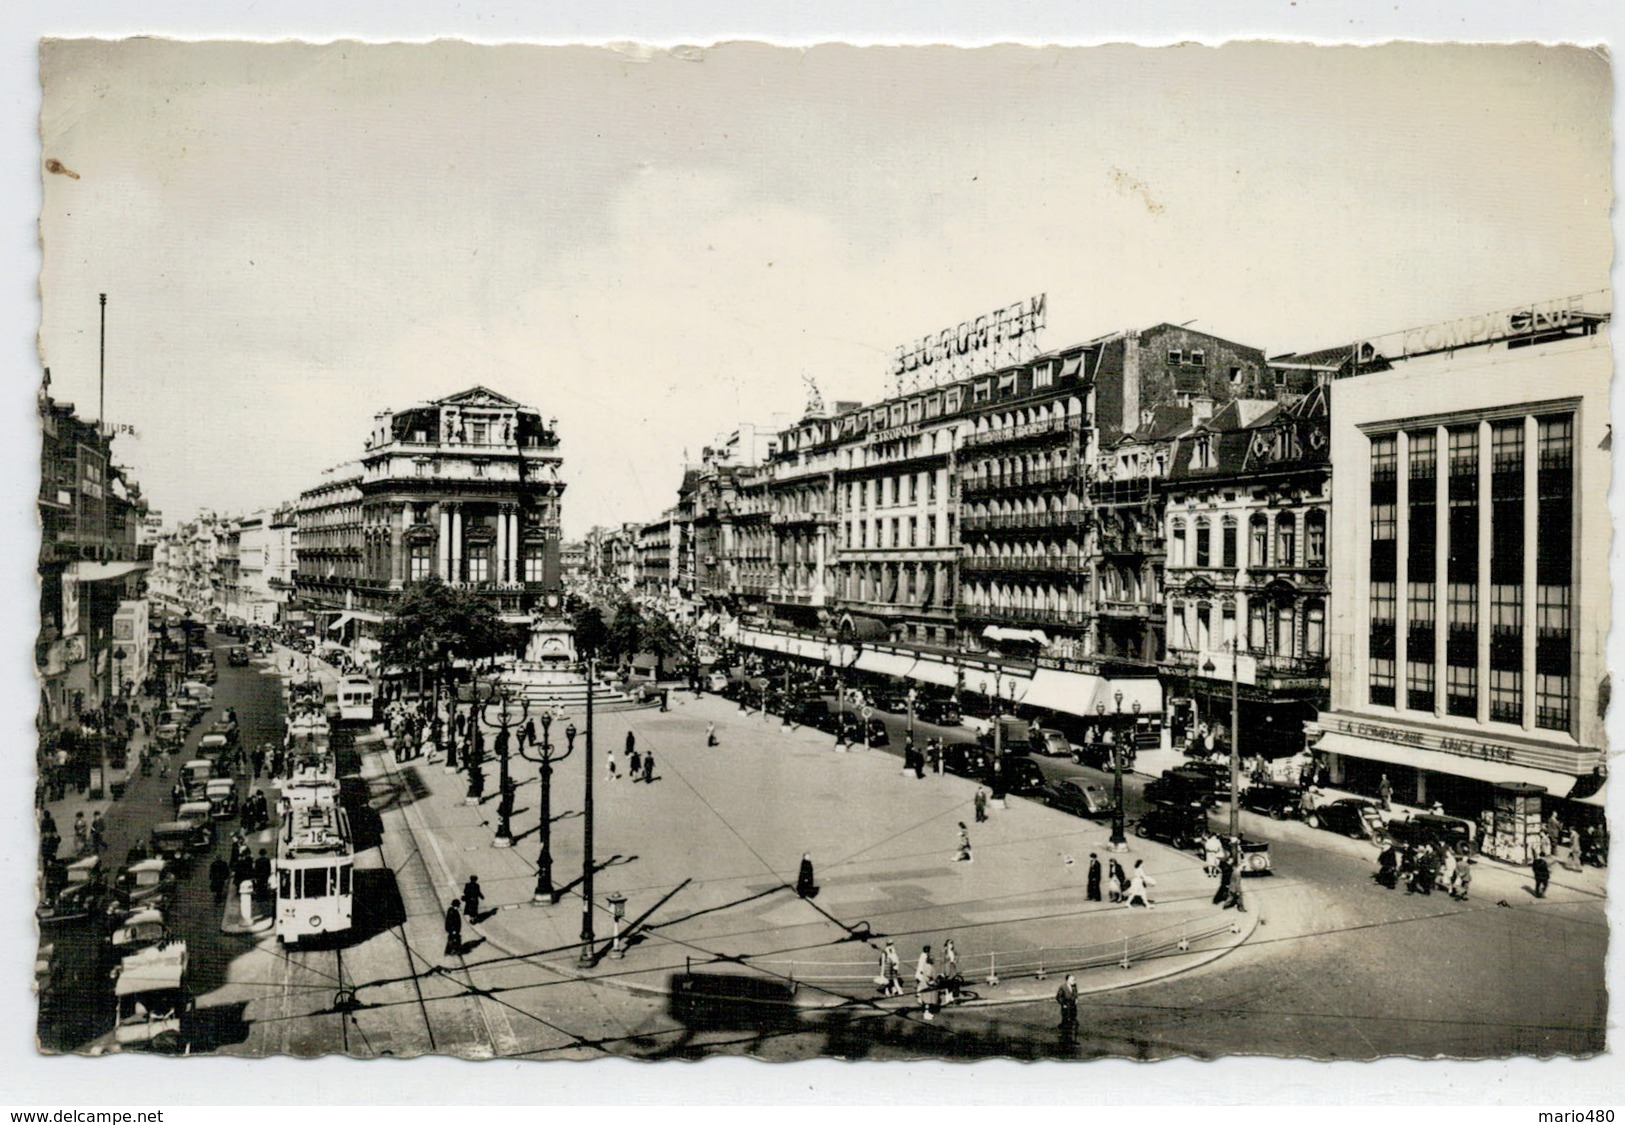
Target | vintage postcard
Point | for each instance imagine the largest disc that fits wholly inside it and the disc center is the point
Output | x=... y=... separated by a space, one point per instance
x=894 y=553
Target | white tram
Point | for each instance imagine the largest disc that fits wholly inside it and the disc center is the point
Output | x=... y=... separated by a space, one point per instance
x=314 y=874
x=355 y=694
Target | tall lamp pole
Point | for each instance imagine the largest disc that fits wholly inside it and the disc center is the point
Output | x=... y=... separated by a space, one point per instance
x=587 y=935
x=1119 y=839
x=545 y=891
x=505 y=786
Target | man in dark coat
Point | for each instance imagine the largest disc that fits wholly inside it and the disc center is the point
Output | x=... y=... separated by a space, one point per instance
x=804 y=881
x=219 y=874
x=648 y=768
x=472 y=896
x=454 y=931
x=1388 y=868
x=1093 y=893
x=631 y=742
x=1543 y=875
x=262 y=874
x=1227 y=875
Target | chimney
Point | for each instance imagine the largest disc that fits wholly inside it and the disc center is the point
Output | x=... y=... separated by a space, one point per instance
x=1201 y=408
x=1131 y=380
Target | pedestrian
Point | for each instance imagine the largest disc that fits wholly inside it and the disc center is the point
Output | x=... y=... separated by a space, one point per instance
x=950 y=960
x=1093 y=886
x=925 y=972
x=1116 y=880
x=963 y=855
x=710 y=734
x=1385 y=790
x=219 y=875
x=1226 y=871
x=1138 y=881
x=257 y=760
x=892 y=969
x=262 y=873
x=81 y=832
x=805 y=887
x=1464 y=880
x=614 y=770
x=454 y=931
x=1447 y=871
x=1212 y=854
x=177 y=794
x=472 y=896
x=648 y=768
x=1423 y=873
x=527 y=733
x=1066 y=996
x=1437 y=809
x=980 y=801
x=1543 y=875
x=631 y=742
x=636 y=766
x=1388 y=868
x=98 y=832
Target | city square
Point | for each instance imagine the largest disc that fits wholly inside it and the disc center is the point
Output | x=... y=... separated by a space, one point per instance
x=1055 y=686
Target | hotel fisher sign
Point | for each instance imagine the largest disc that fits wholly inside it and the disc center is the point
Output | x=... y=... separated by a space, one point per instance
x=1007 y=335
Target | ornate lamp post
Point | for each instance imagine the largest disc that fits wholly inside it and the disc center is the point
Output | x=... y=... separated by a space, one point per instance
x=1119 y=839
x=545 y=759
x=504 y=833
x=587 y=936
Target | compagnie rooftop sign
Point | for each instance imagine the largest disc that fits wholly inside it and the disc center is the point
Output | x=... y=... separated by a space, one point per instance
x=1566 y=315
x=1007 y=335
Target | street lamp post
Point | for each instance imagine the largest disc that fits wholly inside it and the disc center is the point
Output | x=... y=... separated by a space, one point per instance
x=505 y=785
x=587 y=936
x=1234 y=645
x=545 y=891
x=1119 y=839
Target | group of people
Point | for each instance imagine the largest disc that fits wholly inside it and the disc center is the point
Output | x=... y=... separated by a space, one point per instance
x=640 y=764
x=1425 y=868
x=1112 y=883
x=243 y=867
x=466 y=908
x=918 y=761
x=934 y=987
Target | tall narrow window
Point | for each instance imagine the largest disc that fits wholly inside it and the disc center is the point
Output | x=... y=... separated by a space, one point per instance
x=1201 y=535
x=1314 y=630
x=1259 y=537
x=1461 y=645
x=1228 y=551
x=1257 y=627
x=1176 y=545
x=1506 y=571
x=1382 y=641
x=1422 y=539
x=1286 y=539
x=1554 y=622
x=1314 y=538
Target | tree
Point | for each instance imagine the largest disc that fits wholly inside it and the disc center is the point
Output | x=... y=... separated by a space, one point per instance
x=626 y=631
x=433 y=624
x=591 y=634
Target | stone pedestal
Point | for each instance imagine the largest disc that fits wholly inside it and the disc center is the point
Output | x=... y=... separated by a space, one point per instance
x=552 y=642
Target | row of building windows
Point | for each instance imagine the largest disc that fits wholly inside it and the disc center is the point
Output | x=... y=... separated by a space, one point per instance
x=1223 y=553
x=889 y=491
x=1506 y=571
x=855 y=534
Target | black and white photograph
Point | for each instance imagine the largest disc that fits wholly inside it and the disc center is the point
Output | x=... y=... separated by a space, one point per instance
x=564 y=552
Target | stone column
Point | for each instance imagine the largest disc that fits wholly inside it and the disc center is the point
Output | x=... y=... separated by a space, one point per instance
x=443 y=546
x=500 y=569
x=456 y=543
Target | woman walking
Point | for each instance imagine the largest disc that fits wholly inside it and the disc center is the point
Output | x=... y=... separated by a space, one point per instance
x=964 y=855
x=1138 y=881
x=1116 y=881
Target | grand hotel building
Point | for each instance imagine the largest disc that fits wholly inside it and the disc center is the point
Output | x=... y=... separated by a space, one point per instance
x=1471 y=605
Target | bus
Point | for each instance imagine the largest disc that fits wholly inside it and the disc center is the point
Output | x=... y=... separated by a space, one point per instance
x=355 y=699
x=314 y=872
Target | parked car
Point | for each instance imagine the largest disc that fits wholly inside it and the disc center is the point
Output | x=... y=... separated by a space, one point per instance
x=1078 y=798
x=141 y=930
x=1179 y=788
x=237 y=656
x=195 y=776
x=1179 y=824
x=221 y=793
x=1255 y=858
x=1348 y=816
x=227 y=727
x=1429 y=828
x=1021 y=775
x=1277 y=801
x=73 y=891
x=146 y=882
x=170 y=736
x=179 y=841
x=1053 y=743
x=893 y=699
x=967 y=759
x=213 y=745
x=199 y=814
x=808 y=713
x=1215 y=775
x=942 y=712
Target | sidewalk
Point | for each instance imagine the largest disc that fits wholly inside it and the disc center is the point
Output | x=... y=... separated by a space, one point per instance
x=707 y=854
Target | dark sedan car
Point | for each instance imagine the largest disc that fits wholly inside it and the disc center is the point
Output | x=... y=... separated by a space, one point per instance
x=1079 y=798
x=967 y=759
x=942 y=712
x=1273 y=799
x=1021 y=775
x=1179 y=824
x=1350 y=816
x=1181 y=788
x=1428 y=828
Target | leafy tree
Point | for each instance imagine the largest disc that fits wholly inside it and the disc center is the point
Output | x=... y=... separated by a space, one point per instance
x=626 y=631
x=433 y=624
x=660 y=638
x=592 y=635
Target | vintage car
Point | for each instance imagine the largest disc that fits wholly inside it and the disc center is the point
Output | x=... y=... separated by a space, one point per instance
x=1430 y=828
x=1021 y=775
x=221 y=793
x=226 y=726
x=237 y=656
x=1053 y=743
x=942 y=712
x=141 y=930
x=153 y=998
x=1180 y=787
x=179 y=842
x=1079 y=798
x=74 y=891
x=967 y=759
x=1355 y=817
x=146 y=882
x=195 y=775
x=1277 y=801
x=1255 y=858
x=1178 y=823
x=199 y=814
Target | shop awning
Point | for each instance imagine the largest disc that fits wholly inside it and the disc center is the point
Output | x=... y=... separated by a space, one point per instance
x=103 y=571
x=341 y=621
x=1146 y=692
x=1071 y=693
x=884 y=663
x=1599 y=798
x=934 y=672
x=1456 y=765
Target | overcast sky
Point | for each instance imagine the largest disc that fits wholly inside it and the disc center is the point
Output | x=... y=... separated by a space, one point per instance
x=654 y=247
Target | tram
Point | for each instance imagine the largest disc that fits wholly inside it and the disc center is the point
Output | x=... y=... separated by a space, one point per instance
x=355 y=695
x=314 y=871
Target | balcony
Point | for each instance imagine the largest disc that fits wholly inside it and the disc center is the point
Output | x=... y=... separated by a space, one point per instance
x=1135 y=490
x=991 y=483
x=1126 y=543
x=1035 y=432
x=1118 y=607
x=1026 y=564
x=1014 y=616
x=1021 y=521
x=781 y=519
